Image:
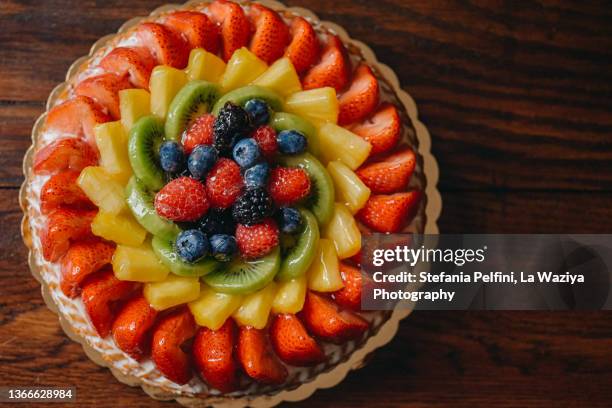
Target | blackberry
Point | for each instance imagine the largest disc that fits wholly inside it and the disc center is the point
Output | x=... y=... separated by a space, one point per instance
x=252 y=207
x=232 y=124
x=218 y=221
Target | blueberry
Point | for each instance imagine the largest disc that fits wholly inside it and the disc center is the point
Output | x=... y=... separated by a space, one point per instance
x=246 y=153
x=171 y=157
x=290 y=220
x=258 y=110
x=192 y=245
x=223 y=247
x=256 y=176
x=201 y=160
x=291 y=142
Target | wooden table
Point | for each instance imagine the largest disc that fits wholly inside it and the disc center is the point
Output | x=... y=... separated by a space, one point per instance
x=518 y=100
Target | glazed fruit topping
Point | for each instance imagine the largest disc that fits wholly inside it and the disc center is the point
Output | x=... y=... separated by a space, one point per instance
x=265 y=137
x=192 y=245
x=288 y=185
x=252 y=207
x=257 y=240
x=232 y=124
x=182 y=199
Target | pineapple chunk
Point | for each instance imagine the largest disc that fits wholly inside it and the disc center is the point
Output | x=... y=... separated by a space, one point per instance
x=102 y=189
x=242 y=69
x=112 y=140
x=324 y=273
x=343 y=231
x=342 y=144
x=165 y=83
x=255 y=308
x=121 y=228
x=133 y=105
x=281 y=77
x=173 y=291
x=290 y=296
x=138 y=264
x=204 y=66
x=350 y=190
x=212 y=309
x=317 y=105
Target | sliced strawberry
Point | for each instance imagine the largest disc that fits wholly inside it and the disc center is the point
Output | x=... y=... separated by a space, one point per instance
x=350 y=295
x=169 y=335
x=360 y=100
x=63 y=154
x=77 y=116
x=101 y=295
x=135 y=62
x=213 y=354
x=61 y=190
x=271 y=33
x=389 y=213
x=382 y=130
x=63 y=226
x=165 y=45
x=333 y=70
x=131 y=328
x=199 y=132
x=257 y=358
x=389 y=175
x=81 y=260
x=235 y=26
x=292 y=342
x=324 y=319
x=304 y=48
x=104 y=89
x=198 y=30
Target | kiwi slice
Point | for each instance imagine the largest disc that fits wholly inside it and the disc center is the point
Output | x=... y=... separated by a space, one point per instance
x=140 y=201
x=322 y=196
x=298 y=258
x=242 y=95
x=193 y=100
x=164 y=249
x=288 y=121
x=242 y=277
x=143 y=149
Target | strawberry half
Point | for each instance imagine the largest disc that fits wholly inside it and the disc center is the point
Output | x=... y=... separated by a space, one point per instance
x=61 y=190
x=64 y=154
x=182 y=199
x=255 y=241
x=235 y=26
x=167 y=47
x=389 y=213
x=304 y=48
x=135 y=62
x=82 y=259
x=288 y=185
x=77 y=116
x=131 y=328
x=271 y=34
x=389 y=175
x=62 y=227
x=350 y=295
x=213 y=354
x=292 y=342
x=361 y=98
x=199 y=31
x=104 y=89
x=257 y=358
x=333 y=70
x=382 y=129
x=199 y=132
x=224 y=183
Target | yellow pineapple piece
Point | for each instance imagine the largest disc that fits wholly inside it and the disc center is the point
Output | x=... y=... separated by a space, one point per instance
x=212 y=309
x=290 y=296
x=350 y=190
x=205 y=66
x=105 y=191
x=112 y=139
x=174 y=290
x=281 y=77
x=342 y=144
x=317 y=105
x=242 y=68
x=120 y=228
x=324 y=273
x=343 y=231
x=133 y=105
x=165 y=83
x=255 y=308
x=138 y=264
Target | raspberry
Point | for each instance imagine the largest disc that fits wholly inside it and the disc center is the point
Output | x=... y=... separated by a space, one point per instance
x=224 y=183
x=182 y=199
x=200 y=132
x=288 y=185
x=252 y=207
x=257 y=240
x=265 y=137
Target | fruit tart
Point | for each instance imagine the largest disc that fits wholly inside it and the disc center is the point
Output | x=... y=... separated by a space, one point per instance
x=197 y=193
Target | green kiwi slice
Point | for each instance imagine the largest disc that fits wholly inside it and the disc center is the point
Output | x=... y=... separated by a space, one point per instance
x=242 y=95
x=298 y=258
x=242 y=277
x=288 y=121
x=164 y=249
x=193 y=100
x=140 y=202
x=143 y=150
x=322 y=196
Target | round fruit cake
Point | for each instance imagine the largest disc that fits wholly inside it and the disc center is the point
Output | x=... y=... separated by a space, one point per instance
x=198 y=191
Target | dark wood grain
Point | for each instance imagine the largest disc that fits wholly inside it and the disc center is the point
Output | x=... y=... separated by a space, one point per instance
x=518 y=99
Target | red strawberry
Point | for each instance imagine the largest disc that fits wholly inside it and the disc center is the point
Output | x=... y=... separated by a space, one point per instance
x=333 y=70
x=104 y=89
x=350 y=295
x=131 y=328
x=64 y=154
x=224 y=183
x=169 y=335
x=182 y=199
x=165 y=45
x=257 y=358
x=265 y=137
x=101 y=294
x=257 y=240
x=235 y=26
x=199 y=132
x=304 y=49
x=82 y=259
x=271 y=33
x=288 y=185
x=196 y=27
x=213 y=355
x=63 y=226
x=77 y=116
x=389 y=175
x=361 y=98
x=323 y=318
x=61 y=190
x=292 y=342
x=389 y=213
x=135 y=62
x=382 y=130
